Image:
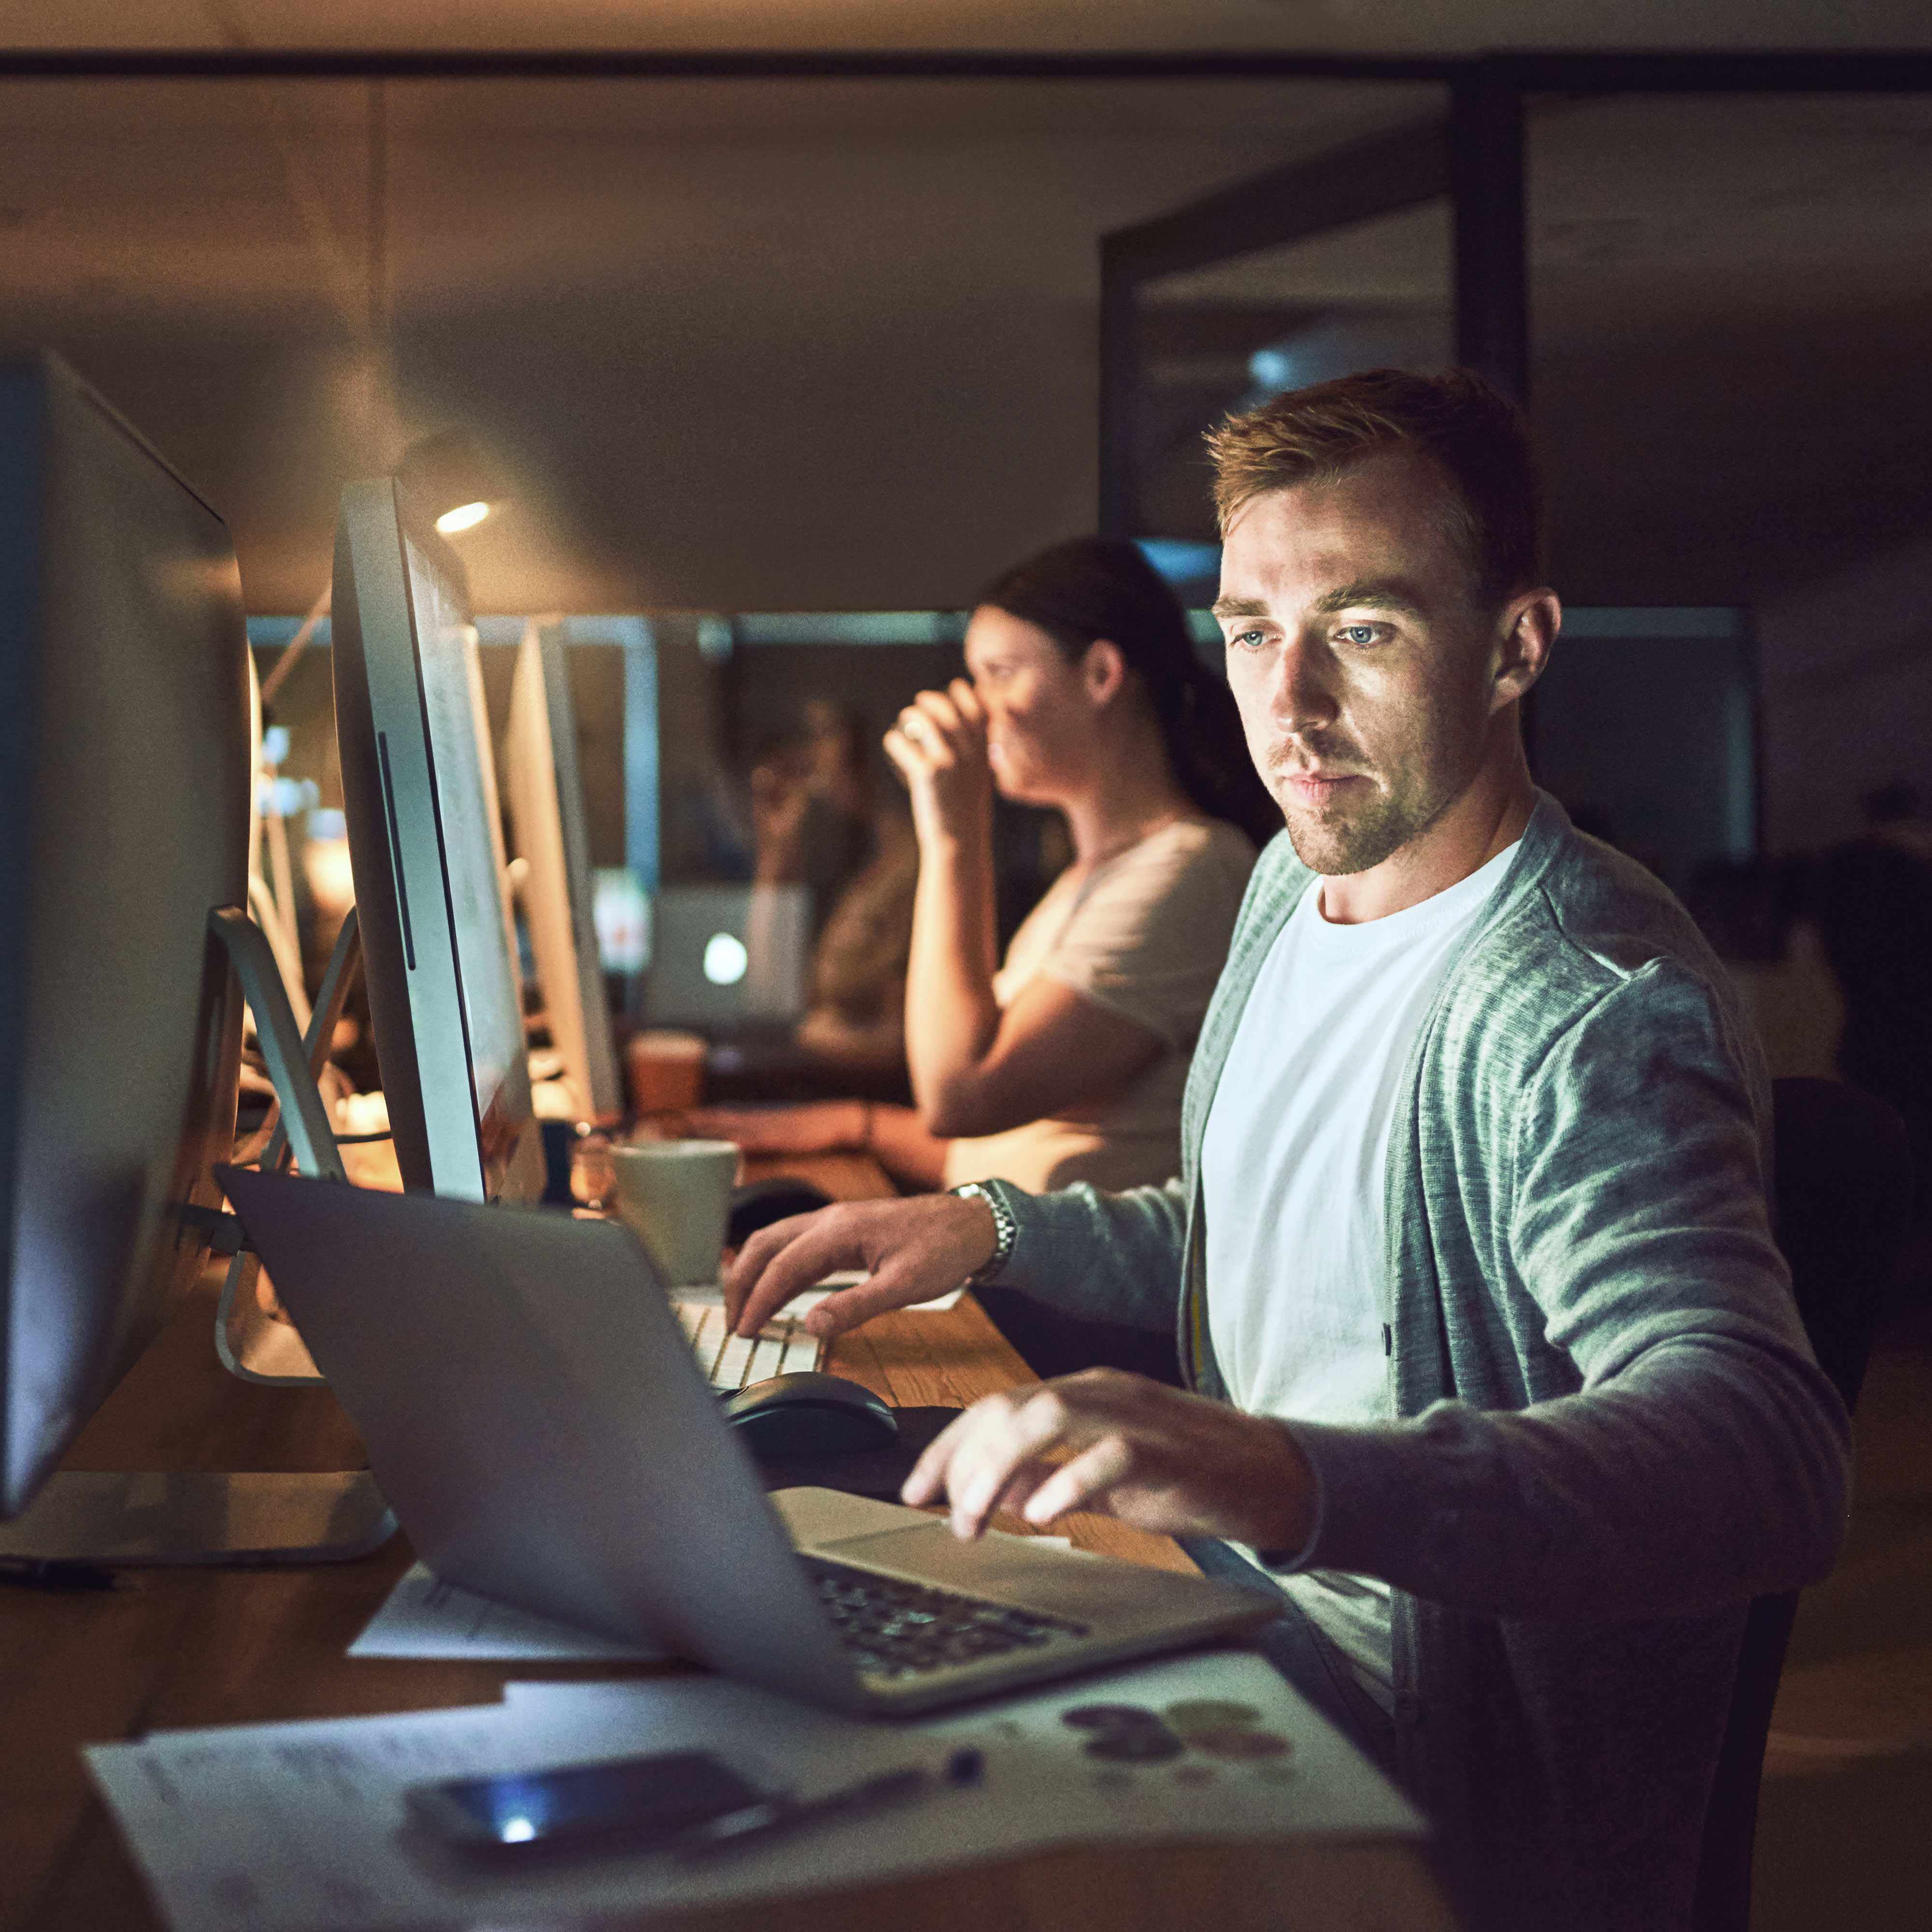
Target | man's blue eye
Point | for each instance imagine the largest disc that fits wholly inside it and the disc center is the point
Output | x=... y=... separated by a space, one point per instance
x=1359 y=634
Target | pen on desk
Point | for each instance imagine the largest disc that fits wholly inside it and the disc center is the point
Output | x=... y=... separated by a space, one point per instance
x=54 y=1573
x=753 y=1824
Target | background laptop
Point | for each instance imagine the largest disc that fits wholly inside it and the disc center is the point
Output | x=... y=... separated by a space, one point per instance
x=535 y=1418
x=725 y=956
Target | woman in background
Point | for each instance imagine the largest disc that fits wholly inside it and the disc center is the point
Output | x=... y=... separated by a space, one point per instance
x=1067 y=1062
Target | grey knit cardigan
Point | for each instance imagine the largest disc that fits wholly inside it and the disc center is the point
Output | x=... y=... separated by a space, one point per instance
x=1609 y=1432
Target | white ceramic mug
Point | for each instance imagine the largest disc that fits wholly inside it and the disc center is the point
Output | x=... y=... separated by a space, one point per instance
x=676 y=1197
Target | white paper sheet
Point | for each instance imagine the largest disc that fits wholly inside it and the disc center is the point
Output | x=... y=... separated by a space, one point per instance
x=295 y=1828
x=424 y=1616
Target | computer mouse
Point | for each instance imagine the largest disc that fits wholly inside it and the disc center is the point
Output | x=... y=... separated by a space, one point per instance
x=790 y=1418
x=760 y=1203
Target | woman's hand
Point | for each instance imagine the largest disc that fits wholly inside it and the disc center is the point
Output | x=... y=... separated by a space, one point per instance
x=780 y=799
x=939 y=745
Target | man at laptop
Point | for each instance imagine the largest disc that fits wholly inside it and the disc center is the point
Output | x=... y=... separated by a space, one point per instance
x=1495 y=1365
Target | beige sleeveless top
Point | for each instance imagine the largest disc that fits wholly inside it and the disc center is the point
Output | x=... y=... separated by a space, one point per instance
x=1145 y=935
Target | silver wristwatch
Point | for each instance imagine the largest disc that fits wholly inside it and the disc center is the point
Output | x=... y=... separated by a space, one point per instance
x=1003 y=1230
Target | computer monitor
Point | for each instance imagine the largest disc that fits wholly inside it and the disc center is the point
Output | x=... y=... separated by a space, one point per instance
x=552 y=835
x=123 y=792
x=443 y=991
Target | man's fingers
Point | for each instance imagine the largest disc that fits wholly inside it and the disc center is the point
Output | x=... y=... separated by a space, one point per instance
x=992 y=1456
x=850 y=1306
x=896 y=1281
x=927 y=1483
x=1010 y=1498
x=1081 y=1482
x=1174 y=1463
x=746 y=1272
x=759 y=1246
x=781 y=1260
x=954 y=1457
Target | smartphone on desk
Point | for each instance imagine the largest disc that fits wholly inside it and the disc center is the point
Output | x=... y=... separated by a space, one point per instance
x=627 y=1805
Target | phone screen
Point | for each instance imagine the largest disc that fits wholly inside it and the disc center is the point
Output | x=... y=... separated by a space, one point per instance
x=629 y=1803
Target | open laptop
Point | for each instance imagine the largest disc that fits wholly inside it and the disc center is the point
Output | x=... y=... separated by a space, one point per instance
x=534 y=1414
x=727 y=956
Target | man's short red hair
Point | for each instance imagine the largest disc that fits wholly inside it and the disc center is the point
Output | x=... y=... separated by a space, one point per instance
x=1480 y=442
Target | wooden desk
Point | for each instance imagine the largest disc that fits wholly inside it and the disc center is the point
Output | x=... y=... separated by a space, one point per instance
x=209 y=1647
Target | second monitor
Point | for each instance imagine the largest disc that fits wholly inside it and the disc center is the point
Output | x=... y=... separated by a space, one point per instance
x=420 y=805
x=545 y=784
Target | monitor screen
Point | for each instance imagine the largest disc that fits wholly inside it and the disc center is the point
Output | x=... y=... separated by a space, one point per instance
x=553 y=837
x=420 y=797
x=466 y=805
x=125 y=761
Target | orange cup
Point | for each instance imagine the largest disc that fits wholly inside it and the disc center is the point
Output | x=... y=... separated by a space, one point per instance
x=667 y=1071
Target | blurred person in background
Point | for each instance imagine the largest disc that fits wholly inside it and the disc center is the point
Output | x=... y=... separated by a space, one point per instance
x=1872 y=898
x=820 y=821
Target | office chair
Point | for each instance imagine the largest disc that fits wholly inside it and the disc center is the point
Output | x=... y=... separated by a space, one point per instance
x=1842 y=1177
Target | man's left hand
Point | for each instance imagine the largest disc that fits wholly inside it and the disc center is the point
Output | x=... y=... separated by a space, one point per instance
x=1176 y=1464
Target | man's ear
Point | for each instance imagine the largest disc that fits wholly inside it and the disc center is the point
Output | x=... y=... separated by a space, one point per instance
x=1103 y=670
x=1526 y=631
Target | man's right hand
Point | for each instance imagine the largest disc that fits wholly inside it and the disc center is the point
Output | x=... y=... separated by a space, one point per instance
x=914 y=1250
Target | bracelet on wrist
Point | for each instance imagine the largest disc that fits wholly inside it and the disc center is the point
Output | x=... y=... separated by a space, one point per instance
x=1003 y=1230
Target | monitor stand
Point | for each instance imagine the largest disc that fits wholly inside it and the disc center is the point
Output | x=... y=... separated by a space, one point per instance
x=90 y=1518
x=256 y=1341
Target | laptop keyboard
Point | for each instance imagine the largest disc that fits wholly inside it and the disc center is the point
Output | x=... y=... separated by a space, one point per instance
x=898 y=1629
x=732 y=1362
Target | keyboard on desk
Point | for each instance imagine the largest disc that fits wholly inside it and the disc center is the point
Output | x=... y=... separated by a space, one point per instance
x=731 y=1362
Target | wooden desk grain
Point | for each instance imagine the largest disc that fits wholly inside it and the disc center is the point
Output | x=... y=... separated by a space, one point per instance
x=190 y=1648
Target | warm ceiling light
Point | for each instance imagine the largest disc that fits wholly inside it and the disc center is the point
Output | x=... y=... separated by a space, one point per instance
x=464 y=517
x=449 y=482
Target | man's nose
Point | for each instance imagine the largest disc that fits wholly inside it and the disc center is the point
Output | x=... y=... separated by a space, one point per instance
x=1303 y=697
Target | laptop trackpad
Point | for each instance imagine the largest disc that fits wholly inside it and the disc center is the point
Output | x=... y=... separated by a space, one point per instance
x=998 y=1566
x=814 y=1518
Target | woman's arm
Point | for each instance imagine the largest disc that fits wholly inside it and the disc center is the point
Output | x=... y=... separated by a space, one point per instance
x=1054 y=1049
x=976 y=1070
x=939 y=744
x=894 y=1136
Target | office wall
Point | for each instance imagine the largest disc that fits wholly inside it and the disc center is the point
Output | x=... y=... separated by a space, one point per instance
x=1845 y=670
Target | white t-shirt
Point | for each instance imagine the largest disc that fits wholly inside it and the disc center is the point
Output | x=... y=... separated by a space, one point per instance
x=1145 y=936
x=1292 y=1165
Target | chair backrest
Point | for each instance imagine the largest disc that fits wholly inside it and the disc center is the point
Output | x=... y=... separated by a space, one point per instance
x=1842 y=1177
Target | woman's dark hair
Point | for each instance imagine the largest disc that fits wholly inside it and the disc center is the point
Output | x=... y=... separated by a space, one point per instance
x=1090 y=588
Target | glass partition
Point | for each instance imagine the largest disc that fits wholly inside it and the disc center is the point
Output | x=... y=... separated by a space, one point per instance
x=1227 y=336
